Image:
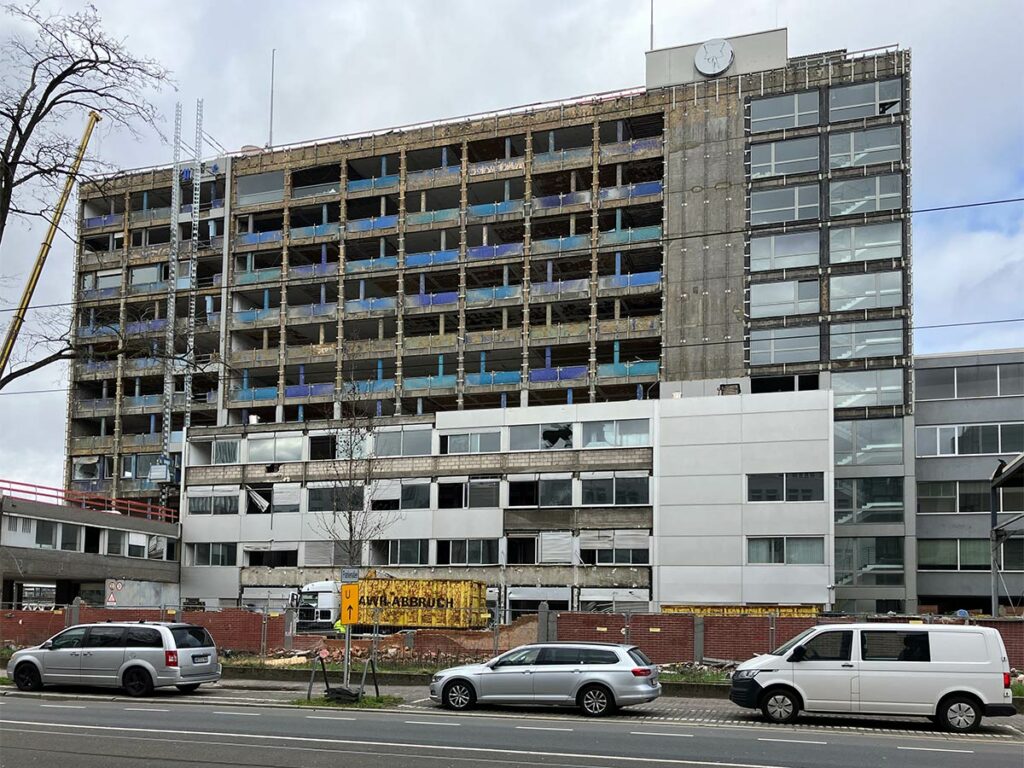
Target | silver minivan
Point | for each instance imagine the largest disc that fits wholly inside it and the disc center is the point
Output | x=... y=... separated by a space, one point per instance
x=137 y=656
x=596 y=677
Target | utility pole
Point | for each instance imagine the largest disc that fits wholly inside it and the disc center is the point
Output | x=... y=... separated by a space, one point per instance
x=44 y=250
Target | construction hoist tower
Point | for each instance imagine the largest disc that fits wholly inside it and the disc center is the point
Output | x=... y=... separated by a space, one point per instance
x=186 y=360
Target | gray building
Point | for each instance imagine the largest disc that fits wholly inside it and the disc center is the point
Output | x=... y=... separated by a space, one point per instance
x=969 y=415
x=738 y=223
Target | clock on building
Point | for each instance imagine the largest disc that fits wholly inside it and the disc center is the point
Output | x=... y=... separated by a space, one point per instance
x=713 y=57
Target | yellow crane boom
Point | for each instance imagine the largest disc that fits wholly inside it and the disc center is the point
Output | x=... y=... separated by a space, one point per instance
x=44 y=249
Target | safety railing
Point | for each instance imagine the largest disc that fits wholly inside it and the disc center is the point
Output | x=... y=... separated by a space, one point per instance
x=86 y=500
x=431 y=258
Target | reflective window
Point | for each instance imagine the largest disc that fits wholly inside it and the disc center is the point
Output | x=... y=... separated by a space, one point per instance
x=969 y=381
x=471 y=442
x=789 y=111
x=879 y=145
x=869 y=338
x=771 y=346
x=865 y=291
x=216 y=553
x=867 y=242
x=467 y=552
x=615 y=490
x=936 y=498
x=789 y=486
x=863 y=389
x=614 y=547
x=829 y=646
x=869 y=561
x=869 y=442
x=779 y=158
x=865 y=195
x=622 y=432
x=788 y=550
x=772 y=206
x=881 y=97
x=888 y=645
x=260 y=188
x=793 y=297
x=533 y=437
x=977 y=381
x=935 y=383
x=796 y=249
x=970 y=439
x=953 y=554
x=406 y=551
x=869 y=500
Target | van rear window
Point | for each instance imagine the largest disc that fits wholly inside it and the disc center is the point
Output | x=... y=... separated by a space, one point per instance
x=192 y=637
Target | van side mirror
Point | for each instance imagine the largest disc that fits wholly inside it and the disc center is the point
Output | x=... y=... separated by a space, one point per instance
x=798 y=654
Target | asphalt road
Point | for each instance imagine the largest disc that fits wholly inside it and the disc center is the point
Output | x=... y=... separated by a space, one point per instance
x=107 y=734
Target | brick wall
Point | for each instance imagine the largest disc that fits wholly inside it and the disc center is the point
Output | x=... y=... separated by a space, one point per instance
x=21 y=628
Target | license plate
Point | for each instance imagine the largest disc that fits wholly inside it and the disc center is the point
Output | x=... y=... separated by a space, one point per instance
x=200 y=659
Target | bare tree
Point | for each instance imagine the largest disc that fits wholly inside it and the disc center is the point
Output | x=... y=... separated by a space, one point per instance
x=52 y=78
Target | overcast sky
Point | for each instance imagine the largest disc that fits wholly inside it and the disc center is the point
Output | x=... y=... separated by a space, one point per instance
x=353 y=65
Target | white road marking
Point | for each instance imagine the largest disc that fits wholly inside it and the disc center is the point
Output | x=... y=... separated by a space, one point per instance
x=539 y=728
x=144 y=709
x=240 y=714
x=795 y=741
x=364 y=743
x=326 y=717
x=429 y=722
x=934 y=749
x=651 y=733
x=63 y=706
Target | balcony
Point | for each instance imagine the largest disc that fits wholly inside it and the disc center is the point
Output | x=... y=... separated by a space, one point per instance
x=561 y=289
x=251 y=358
x=481 y=297
x=485 y=210
x=371 y=386
x=143 y=401
x=315 y=190
x=145 y=326
x=560 y=331
x=259 y=238
x=94 y=405
x=295 y=353
x=493 y=379
x=445 y=381
x=565 y=200
x=371 y=265
x=629 y=236
x=300 y=271
x=448 y=215
x=93 y=294
x=371 y=224
x=431 y=258
x=92 y=331
x=444 y=298
x=493 y=167
x=251 y=316
x=630 y=327
x=504 y=250
x=417 y=179
x=252 y=394
x=330 y=229
x=378 y=304
x=378 y=182
x=107 y=220
x=648 y=146
x=92 y=443
x=555 y=245
x=151 y=214
x=97 y=367
x=562 y=158
x=141 y=364
x=364 y=348
x=249 y=277
x=631 y=192
x=640 y=368
x=141 y=440
x=437 y=341
x=328 y=310
x=564 y=373
x=633 y=280
x=493 y=337
x=325 y=389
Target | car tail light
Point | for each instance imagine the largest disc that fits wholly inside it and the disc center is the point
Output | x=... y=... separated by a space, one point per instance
x=171 y=658
x=1006 y=679
x=641 y=672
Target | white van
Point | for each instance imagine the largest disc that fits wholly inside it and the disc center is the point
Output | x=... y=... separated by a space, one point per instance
x=951 y=674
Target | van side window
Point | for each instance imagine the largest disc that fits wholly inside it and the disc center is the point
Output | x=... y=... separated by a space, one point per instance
x=894 y=646
x=104 y=637
x=70 y=639
x=144 y=637
x=829 y=646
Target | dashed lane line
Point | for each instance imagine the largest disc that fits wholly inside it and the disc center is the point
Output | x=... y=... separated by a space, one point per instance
x=430 y=722
x=652 y=733
x=63 y=706
x=935 y=749
x=144 y=709
x=539 y=728
x=794 y=741
x=239 y=714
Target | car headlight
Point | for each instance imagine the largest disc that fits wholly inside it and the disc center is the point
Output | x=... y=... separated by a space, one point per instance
x=745 y=674
x=436 y=678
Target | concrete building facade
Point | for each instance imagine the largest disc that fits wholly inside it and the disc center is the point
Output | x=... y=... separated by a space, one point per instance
x=969 y=416
x=739 y=224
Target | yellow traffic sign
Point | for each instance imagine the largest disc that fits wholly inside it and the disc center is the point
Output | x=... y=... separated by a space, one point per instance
x=349 y=604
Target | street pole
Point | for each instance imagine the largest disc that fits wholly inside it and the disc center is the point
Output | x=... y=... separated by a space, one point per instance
x=348 y=655
x=993 y=497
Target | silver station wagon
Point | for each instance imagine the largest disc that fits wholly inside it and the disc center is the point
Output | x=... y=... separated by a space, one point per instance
x=137 y=656
x=596 y=677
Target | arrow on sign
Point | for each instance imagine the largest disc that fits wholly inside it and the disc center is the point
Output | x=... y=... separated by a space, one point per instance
x=350 y=613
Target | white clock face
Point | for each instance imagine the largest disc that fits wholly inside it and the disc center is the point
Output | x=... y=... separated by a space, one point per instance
x=713 y=57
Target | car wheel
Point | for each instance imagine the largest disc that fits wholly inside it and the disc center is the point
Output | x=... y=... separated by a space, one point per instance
x=780 y=706
x=596 y=701
x=190 y=688
x=960 y=714
x=137 y=682
x=27 y=678
x=458 y=695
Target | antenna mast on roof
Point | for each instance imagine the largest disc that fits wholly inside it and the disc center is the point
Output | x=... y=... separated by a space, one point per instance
x=652 y=26
x=273 y=55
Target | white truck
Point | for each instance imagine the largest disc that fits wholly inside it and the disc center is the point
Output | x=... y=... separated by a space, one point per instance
x=318 y=605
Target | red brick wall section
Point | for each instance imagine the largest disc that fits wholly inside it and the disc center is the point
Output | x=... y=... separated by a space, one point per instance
x=665 y=638
x=1012 y=631
x=24 y=628
x=591 y=627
